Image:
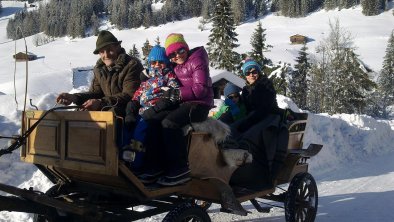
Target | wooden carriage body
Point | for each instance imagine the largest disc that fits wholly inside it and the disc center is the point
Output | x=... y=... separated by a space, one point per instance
x=80 y=148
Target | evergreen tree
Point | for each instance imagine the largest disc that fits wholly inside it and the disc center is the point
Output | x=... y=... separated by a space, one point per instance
x=222 y=39
x=95 y=24
x=145 y=50
x=279 y=79
x=134 y=52
x=259 y=46
x=347 y=3
x=386 y=77
x=275 y=6
x=298 y=82
x=1 y=6
x=260 y=8
x=315 y=92
x=298 y=8
x=193 y=8
x=356 y=85
x=344 y=84
x=371 y=7
x=238 y=8
x=331 y=4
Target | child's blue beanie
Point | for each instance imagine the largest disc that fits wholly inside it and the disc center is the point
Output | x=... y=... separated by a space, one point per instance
x=230 y=89
x=158 y=53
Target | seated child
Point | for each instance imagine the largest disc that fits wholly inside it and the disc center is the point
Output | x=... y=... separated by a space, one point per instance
x=233 y=108
x=149 y=94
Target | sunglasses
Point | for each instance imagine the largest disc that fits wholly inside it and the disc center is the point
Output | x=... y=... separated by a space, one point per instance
x=153 y=63
x=254 y=72
x=233 y=96
x=177 y=52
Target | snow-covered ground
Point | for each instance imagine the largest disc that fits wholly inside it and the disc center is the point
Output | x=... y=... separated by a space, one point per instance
x=354 y=171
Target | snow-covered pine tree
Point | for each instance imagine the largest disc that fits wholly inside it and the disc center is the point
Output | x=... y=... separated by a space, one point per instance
x=345 y=85
x=1 y=6
x=136 y=15
x=94 y=20
x=315 y=92
x=259 y=46
x=223 y=38
x=145 y=50
x=275 y=6
x=298 y=82
x=386 y=77
x=239 y=12
x=298 y=8
x=370 y=7
x=356 y=85
x=260 y=8
x=193 y=8
x=134 y=52
x=331 y=4
x=348 y=3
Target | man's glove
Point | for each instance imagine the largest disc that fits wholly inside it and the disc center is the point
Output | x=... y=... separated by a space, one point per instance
x=234 y=109
x=131 y=111
x=171 y=94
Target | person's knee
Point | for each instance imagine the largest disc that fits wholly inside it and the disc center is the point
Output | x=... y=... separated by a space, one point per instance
x=166 y=123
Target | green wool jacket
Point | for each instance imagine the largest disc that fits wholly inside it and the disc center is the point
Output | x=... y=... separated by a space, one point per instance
x=115 y=86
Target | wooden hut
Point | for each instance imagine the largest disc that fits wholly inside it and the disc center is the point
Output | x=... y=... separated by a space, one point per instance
x=22 y=56
x=219 y=80
x=298 y=39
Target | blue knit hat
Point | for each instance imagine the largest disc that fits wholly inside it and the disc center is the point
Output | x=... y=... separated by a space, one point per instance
x=158 y=53
x=250 y=64
x=230 y=89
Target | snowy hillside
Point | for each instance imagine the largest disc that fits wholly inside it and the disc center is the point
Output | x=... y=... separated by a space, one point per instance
x=354 y=171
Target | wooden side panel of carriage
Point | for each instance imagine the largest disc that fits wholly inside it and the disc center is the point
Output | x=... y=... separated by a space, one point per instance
x=81 y=146
x=83 y=142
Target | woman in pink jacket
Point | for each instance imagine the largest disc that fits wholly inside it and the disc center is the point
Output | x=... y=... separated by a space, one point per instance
x=167 y=159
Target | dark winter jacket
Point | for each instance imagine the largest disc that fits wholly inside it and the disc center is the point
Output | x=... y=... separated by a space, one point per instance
x=193 y=75
x=115 y=85
x=260 y=101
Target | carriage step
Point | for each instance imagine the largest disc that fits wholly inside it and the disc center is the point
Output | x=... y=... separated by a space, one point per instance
x=259 y=208
x=312 y=150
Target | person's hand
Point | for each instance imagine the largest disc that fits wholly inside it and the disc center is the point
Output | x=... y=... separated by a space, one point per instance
x=66 y=98
x=163 y=104
x=92 y=104
x=149 y=114
x=171 y=94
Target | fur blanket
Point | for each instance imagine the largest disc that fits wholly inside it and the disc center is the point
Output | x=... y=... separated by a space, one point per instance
x=219 y=132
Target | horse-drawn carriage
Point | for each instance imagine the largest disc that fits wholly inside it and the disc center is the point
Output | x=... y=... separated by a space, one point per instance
x=77 y=151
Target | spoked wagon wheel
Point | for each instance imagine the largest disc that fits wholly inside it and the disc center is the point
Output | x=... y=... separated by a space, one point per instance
x=187 y=212
x=302 y=198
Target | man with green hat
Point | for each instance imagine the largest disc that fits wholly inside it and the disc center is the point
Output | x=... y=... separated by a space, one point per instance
x=116 y=78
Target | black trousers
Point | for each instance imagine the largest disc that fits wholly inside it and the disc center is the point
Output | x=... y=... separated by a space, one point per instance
x=166 y=144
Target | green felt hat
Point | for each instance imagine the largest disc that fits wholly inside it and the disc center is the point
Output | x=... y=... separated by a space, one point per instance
x=105 y=38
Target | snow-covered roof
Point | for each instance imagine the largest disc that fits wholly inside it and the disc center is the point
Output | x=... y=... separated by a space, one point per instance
x=217 y=75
